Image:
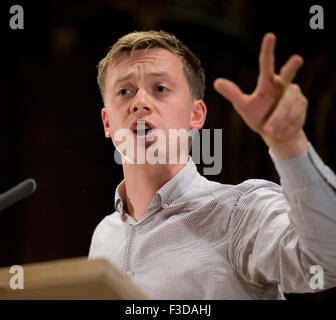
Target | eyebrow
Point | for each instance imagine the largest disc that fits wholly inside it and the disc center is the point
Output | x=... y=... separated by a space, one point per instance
x=153 y=74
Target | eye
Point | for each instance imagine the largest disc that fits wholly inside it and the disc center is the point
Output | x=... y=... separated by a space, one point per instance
x=124 y=92
x=161 y=89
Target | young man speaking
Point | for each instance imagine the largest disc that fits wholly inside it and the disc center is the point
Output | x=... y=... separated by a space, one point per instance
x=177 y=235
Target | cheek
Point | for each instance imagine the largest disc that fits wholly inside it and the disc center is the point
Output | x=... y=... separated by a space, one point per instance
x=177 y=122
x=181 y=114
x=115 y=122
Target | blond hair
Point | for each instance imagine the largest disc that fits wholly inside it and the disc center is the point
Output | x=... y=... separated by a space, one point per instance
x=138 y=40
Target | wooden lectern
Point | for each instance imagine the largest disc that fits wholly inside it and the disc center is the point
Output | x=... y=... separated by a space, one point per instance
x=70 y=279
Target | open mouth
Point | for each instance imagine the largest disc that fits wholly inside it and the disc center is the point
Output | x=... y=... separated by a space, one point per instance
x=141 y=128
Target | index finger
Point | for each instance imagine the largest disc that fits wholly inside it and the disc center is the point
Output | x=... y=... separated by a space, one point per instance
x=266 y=57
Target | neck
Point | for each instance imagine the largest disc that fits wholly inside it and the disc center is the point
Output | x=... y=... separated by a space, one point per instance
x=142 y=181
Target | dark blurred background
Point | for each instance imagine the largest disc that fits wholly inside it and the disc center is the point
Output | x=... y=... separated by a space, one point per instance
x=50 y=126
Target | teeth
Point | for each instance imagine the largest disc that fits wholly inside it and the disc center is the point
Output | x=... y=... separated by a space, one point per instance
x=142 y=126
x=141 y=133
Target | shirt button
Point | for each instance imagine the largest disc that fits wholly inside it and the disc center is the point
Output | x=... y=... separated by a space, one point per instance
x=129 y=274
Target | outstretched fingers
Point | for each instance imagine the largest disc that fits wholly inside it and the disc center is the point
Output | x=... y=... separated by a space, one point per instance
x=290 y=69
x=230 y=91
x=266 y=63
x=266 y=57
x=289 y=111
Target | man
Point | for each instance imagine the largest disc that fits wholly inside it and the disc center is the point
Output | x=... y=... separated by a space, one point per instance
x=177 y=235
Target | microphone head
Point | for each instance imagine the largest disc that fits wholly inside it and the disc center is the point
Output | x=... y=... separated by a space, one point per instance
x=31 y=185
x=17 y=193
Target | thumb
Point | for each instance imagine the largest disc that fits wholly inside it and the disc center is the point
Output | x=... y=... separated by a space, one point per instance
x=229 y=90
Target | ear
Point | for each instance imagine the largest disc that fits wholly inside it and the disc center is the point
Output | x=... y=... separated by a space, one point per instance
x=106 y=123
x=198 y=114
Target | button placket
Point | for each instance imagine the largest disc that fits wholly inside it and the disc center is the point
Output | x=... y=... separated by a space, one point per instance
x=127 y=252
x=165 y=205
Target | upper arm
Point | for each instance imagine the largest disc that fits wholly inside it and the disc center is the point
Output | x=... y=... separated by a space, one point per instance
x=267 y=248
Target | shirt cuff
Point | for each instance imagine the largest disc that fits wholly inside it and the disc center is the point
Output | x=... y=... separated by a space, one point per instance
x=303 y=170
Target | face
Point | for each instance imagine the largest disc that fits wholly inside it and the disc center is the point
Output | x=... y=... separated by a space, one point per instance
x=149 y=86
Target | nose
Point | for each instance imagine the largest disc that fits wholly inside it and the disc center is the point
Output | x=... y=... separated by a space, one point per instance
x=140 y=109
x=140 y=106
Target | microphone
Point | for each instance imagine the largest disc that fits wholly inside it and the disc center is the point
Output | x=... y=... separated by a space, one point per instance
x=17 y=193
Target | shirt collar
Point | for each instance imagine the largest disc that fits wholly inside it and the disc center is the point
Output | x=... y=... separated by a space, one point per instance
x=120 y=195
x=168 y=193
x=177 y=186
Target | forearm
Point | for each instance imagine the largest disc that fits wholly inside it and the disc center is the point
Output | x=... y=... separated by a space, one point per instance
x=310 y=189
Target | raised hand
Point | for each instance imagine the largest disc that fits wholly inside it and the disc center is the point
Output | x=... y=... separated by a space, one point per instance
x=277 y=108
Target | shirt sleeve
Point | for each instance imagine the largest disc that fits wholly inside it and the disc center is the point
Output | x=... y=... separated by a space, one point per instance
x=286 y=235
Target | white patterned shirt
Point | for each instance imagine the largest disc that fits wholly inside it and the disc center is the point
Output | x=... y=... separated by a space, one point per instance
x=201 y=239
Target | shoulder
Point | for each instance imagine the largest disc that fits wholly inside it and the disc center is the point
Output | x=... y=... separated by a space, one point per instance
x=220 y=191
x=259 y=199
x=253 y=185
x=259 y=188
x=106 y=225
